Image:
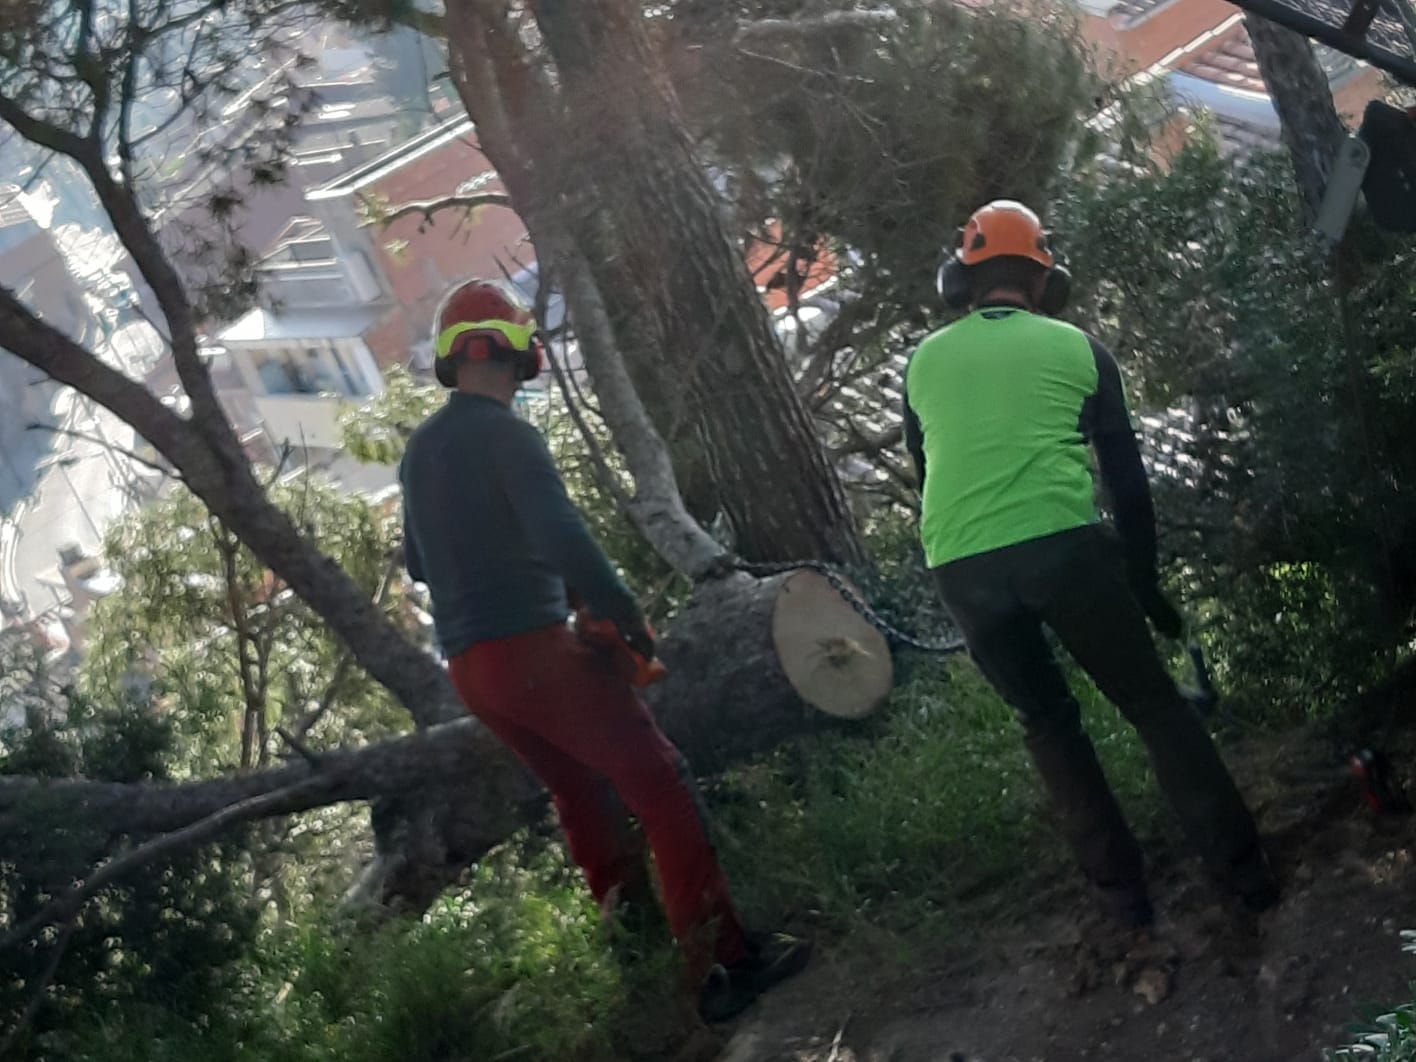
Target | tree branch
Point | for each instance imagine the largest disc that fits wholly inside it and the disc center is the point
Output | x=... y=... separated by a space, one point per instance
x=439 y=752
x=863 y=443
x=426 y=208
x=69 y=903
x=43 y=133
x=60 y=358
x=96 y=440
x=36 y=999
x=604 y=475
x=764 y=28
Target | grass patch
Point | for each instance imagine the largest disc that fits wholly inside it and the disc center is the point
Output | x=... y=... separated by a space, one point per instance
x=516 y=966
x=917 y=819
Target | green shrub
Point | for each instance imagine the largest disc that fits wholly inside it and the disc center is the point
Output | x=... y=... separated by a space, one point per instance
x=1388 y=1037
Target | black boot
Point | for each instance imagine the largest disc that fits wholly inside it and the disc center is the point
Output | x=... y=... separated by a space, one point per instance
x=730 y=990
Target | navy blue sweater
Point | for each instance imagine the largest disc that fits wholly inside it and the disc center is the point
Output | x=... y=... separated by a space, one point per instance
x=489 y=528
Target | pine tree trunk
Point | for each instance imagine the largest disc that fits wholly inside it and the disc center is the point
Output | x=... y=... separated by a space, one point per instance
x=637 y=195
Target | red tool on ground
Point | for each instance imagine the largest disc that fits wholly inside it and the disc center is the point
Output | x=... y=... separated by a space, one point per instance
x=1380 y=790
x=602 y=634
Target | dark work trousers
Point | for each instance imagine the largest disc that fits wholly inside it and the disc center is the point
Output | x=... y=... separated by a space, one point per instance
x=1075 y=583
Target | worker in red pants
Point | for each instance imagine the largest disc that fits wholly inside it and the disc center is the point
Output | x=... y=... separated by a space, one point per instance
x=489 y=528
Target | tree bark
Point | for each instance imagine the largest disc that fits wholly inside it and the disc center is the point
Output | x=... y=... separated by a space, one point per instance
x=718 y=369
x=1312 y=128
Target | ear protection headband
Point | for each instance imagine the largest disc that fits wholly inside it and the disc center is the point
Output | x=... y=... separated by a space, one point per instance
x=953 y=281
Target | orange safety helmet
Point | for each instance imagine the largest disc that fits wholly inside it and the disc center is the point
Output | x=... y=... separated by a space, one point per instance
x=492 y=311
x=1003 y=228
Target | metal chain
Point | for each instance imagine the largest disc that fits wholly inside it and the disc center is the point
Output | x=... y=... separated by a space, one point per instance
x=862 y=608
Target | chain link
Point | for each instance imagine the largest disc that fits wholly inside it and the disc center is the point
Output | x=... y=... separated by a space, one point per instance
x=860 y=605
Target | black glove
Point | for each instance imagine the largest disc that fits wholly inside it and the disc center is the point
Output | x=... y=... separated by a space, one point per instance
x=636 y=635
x=1162 y=613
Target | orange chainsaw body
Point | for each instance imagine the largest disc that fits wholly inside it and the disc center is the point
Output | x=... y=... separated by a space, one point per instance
x=603 y=635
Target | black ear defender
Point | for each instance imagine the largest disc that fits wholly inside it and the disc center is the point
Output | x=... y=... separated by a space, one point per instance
x=952 y=282
x=952 y=279
x=1056 y=290
x=531 y=361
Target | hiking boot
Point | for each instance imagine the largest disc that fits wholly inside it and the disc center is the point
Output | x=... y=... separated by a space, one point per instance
x=730 y=990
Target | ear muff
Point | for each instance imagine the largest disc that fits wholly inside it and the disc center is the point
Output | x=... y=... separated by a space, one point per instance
x=1056 y=290
x=531 y=362
x=952 y=281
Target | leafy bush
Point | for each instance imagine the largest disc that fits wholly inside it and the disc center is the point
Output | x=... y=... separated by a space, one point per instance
x=1281 y=464
x=1389 y=1037
x=515 y=966
x=166 y=944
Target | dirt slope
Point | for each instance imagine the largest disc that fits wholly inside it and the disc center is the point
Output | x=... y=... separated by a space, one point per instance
x=1216 y=984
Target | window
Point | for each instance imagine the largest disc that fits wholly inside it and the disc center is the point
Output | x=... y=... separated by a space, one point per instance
x=317 y=367
x=275 y=374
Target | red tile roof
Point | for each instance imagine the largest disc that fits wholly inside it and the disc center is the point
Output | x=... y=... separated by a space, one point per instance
x=1229 y=60
x=767 y=261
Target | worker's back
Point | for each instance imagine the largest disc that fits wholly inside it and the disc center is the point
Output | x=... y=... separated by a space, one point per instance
x=1002 y=397
x=486 y=577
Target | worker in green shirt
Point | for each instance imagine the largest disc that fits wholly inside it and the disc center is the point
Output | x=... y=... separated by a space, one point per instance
x=999 y=410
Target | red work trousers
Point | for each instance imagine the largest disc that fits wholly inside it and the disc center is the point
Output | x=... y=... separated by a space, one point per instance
x=563 y=709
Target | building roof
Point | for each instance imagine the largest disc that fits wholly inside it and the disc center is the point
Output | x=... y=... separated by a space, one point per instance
x=1129 y=12
x=1229 y=60
x=767 y=261
x=259 y=326
x=392 y=161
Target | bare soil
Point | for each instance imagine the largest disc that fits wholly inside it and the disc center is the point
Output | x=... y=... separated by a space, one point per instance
x=1213 y=984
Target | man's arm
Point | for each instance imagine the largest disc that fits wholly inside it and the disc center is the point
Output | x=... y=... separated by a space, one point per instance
x=412 y=558
x=556 y=530
x=914 y=438
x=1107 y=426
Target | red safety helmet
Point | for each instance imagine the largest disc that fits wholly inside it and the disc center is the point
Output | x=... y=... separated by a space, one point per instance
x=489 y=310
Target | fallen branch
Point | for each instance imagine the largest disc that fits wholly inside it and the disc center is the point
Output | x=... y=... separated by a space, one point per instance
x=36 y=999
x=65 y=906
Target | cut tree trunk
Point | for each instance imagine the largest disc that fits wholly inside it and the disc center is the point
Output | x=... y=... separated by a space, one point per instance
x=748 y=659
x=754 y=662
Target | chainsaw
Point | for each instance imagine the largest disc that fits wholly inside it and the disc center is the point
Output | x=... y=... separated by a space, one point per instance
x=604 y=636
x=1380 y=790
